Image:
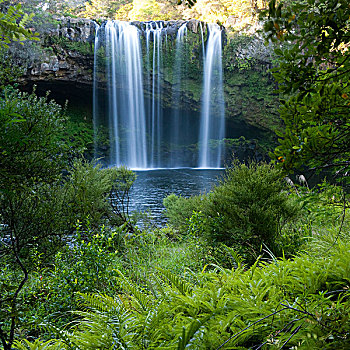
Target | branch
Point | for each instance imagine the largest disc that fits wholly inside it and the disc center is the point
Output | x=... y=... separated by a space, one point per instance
x=3 y=338
x=331 y=165
x=14 y=299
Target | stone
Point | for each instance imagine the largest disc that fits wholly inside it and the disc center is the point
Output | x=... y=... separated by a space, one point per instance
x=44 y=67
x=193 y=25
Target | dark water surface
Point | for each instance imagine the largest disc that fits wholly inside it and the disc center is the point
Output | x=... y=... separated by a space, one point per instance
x=152 y=186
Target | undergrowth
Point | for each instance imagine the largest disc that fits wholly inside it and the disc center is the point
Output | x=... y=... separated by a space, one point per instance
x=292 y=304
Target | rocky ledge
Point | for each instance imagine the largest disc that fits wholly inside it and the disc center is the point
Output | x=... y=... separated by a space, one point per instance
x=68 y=55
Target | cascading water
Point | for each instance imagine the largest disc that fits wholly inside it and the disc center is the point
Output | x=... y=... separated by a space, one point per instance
x=124 y=101
x=128 y=96
x=179 y=70
x=154 y=32
x=95 y=89
x=213 y=107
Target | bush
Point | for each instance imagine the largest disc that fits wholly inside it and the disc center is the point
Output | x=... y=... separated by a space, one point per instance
x=39 y=206
x=87 y=189
x=180 y=209
x=87 y=265
x=251 y=205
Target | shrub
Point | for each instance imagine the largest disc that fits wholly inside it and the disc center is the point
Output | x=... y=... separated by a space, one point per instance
x=247 y=208
x=86 y=265
x=87 y=188
x=251 y=205
x=39 y=206
x=180 y=209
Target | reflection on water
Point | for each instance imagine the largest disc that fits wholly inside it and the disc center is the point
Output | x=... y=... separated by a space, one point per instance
x=152 y=186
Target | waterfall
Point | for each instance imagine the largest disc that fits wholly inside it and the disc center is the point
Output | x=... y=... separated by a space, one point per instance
x=178 y=72
x=124 y=101
x=212 y=127
x=129 y=87
x=94 y=91
x=154 y=31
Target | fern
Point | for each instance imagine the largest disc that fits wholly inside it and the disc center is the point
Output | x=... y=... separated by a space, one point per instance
x=188 y=336
x=100 y=302
x=140 y=297
x=38 y=344
x=181 y=285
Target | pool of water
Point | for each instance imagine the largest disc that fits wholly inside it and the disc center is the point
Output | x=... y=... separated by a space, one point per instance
x=152 y=186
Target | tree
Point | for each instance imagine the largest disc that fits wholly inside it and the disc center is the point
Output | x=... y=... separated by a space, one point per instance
x=32 y=158
x=312 y=44
x=44 y=194
x=103 y=8
x=145 y=10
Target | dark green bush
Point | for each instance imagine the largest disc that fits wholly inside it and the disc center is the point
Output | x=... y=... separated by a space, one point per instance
x=249 y=207
x=87 y=190
x=41 y=197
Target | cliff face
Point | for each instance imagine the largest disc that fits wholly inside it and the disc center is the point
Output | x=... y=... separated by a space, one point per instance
x=67 y=54
x=67 y=58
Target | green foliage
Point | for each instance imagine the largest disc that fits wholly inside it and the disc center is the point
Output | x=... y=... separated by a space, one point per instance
x=122 y=181
x=103 y=8
x=79 y=136
x=9 y=72
x=31 y=128
x=196 y=224
x=32 y=159
x=313 y=71
x=180 y=209
x=86 y=190
x=39 y=345
x=84 y=48
x=302 y=303
x=39 y=206
x=87 y=265
x=145 y=10
x=248 y=208
x=12 y=25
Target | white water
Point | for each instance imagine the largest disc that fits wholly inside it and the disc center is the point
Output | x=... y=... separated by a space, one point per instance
x=137 y=130
x=213 y=110
x=154 y=31
x=179 y=86
x=95 y=89
x=126 y=109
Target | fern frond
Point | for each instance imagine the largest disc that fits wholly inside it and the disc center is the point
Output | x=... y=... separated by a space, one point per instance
x=180 y=284
x=238 y=260
x=38 y=344
x=141 y=298
x=100 y=302
x=58 y=333
x=187 y=337
x=157 y=288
